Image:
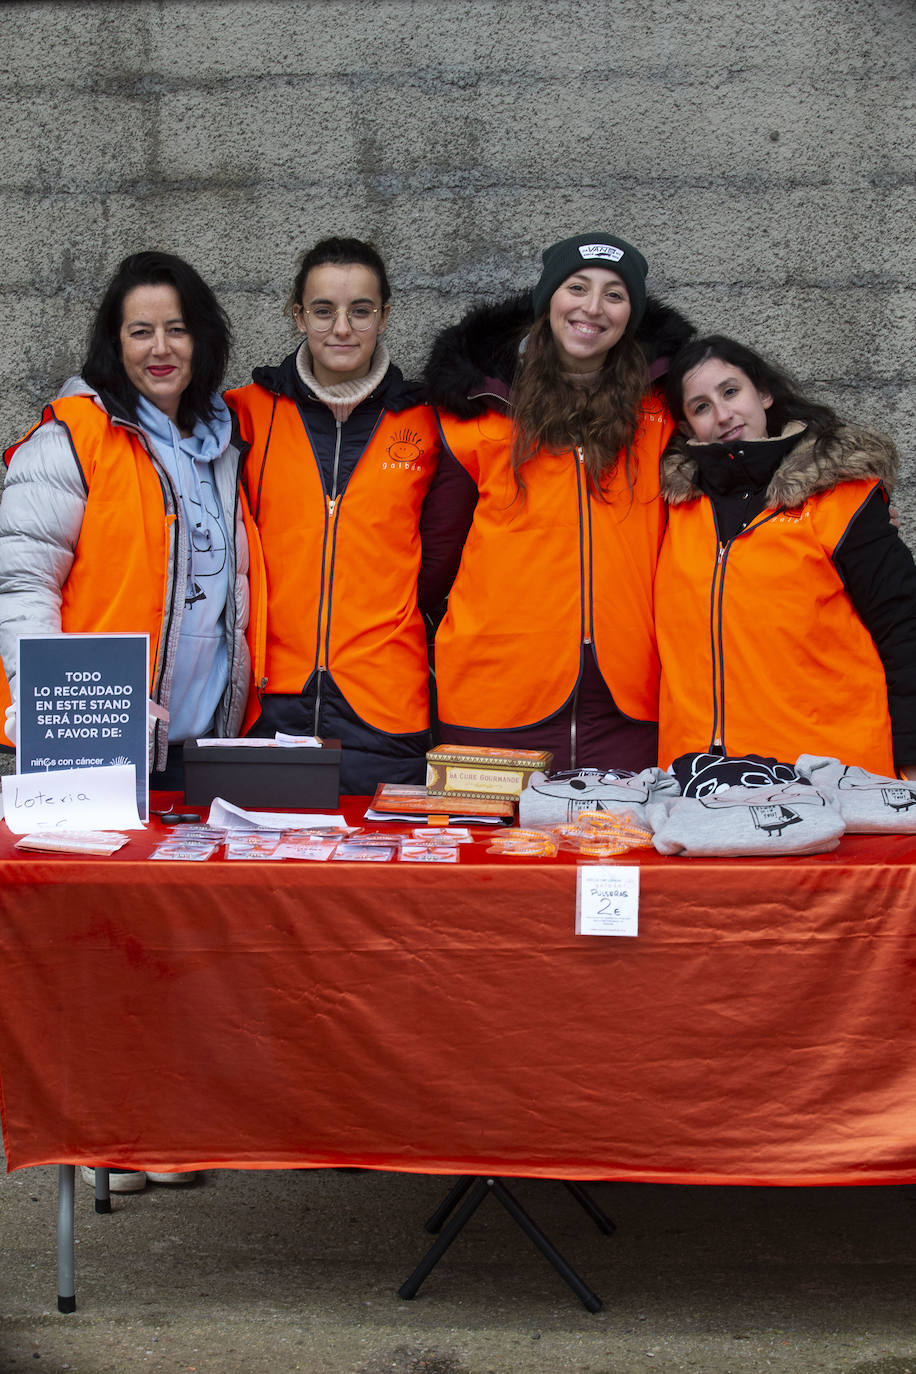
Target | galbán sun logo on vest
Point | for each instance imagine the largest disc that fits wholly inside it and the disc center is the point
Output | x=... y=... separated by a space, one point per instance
x=405 y=452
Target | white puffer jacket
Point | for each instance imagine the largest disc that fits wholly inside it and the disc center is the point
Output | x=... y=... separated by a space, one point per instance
x=41 y=514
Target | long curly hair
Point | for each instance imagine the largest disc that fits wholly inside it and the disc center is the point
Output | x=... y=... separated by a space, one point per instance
x=552 y=412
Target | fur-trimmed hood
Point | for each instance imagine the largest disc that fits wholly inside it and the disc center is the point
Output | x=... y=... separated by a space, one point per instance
x=472 y=363
x=853 y=454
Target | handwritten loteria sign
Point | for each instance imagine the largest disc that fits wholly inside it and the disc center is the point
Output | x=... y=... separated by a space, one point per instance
x=71 y=799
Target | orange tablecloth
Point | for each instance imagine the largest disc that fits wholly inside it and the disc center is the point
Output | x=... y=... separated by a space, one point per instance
x=441 y=1018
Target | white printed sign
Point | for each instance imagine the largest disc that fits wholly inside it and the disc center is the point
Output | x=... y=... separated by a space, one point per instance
x=83 y=704
x=607 y=899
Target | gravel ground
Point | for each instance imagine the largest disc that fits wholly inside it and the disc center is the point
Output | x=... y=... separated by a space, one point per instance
x=269 y=1272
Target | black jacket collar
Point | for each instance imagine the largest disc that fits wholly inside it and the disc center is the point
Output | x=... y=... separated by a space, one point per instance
x=392 y=393
x=472 y=363
x=749 y=466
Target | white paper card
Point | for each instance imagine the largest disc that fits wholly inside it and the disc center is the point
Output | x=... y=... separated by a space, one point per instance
x=229 y=817
x=607 y=900
x=218 y=742
x=72 y=799
x=278 y=741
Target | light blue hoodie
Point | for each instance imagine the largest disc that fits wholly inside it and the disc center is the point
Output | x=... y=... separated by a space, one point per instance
x=201 y=671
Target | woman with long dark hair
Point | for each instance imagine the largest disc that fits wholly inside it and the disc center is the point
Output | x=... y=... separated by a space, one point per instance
x=785 y=599
x=545 y=522
x=122 y=512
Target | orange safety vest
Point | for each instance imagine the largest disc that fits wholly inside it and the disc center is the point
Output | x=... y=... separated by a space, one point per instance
x=342 y=573
x=762 y=650
x=546 y=570
x=119 y=577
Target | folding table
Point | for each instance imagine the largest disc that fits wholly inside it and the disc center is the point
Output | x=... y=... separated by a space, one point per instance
x=760 y=1029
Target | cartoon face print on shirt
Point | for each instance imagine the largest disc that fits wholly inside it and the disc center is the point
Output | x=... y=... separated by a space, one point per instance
x=708 y=775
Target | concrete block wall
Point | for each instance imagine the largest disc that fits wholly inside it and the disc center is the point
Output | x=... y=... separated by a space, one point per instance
x=762 y=156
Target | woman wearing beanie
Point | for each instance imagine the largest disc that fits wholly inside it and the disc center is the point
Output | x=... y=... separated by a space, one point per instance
x=545 y=521
x=341 y=456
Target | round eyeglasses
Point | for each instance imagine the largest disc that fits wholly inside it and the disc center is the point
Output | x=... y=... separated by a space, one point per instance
x=321 y=318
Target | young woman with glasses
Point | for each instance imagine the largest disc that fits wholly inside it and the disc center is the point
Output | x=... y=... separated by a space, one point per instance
x=342 y=453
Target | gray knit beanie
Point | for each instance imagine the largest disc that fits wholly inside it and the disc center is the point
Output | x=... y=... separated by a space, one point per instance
x=562 y=259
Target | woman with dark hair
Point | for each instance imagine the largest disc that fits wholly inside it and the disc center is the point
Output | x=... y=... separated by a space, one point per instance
x=341 y=456
x=545 y=521
x=122 y=509
x=205 y=324
x=122 y=513
x=785 y=600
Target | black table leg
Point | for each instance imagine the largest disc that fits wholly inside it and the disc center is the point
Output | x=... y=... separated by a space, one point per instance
x=451 y=1199
x=476 y=1194
x=590 y=1300
x=102 y=1191
x=476 y=1190
x=589 y=1205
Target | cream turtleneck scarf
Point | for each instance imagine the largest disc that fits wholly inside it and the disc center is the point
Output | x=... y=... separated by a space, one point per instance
x=343 y=397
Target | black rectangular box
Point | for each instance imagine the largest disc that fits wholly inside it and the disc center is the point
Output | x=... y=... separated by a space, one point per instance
x=295 y=779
